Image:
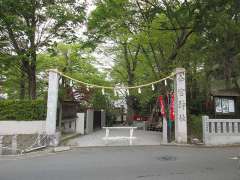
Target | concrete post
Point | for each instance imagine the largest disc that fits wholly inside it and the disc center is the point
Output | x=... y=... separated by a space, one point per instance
x=60 y=117
x=180 y=106
x=14 y=144
x=164 y=133
x=1 y=144
x=89 y=121
x=52 y=108
x=103 y=118
x=80 y=123
x=204 y=128
x=39 y=137
x=131 y=135
x=73 y=126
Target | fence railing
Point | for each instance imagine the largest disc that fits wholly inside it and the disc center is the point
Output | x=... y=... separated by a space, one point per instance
x=42 y=141
x=130 y=137
x=221 y=131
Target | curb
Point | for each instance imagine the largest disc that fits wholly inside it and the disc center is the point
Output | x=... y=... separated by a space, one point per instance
x=61 y=148
x=66 y=138
x=162 y=145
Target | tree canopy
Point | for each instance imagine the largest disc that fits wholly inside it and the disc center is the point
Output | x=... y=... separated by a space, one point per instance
x=28 y=27
x=146 y=41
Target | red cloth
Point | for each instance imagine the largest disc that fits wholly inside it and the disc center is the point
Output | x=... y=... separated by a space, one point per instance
x=161 y=103
x=172 y=115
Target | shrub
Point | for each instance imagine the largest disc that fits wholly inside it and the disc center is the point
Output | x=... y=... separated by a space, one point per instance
x=195 y=126
x=110 y=118
x=22 y=110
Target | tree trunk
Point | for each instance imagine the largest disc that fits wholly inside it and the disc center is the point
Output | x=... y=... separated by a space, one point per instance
x=32 y=83
x=130 y=98
x=22 y=88
x=130 y=107
x=33 y=55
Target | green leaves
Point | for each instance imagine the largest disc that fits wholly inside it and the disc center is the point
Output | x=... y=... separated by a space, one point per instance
x=32 y=26
x=74 y=61
x=22 y=110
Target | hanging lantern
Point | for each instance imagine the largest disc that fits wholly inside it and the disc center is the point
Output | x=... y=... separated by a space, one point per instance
x=115 y=92
x=165 y=82
x=128 y=92
x=153 y=87
x=70 y=83
x=103 y=91
x=139 y=90
x=60 y=81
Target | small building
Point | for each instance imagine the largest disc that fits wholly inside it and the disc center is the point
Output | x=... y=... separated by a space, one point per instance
x=225 y=104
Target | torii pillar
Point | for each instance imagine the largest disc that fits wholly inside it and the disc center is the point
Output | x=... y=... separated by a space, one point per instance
x=180 y=106
x=52 y=103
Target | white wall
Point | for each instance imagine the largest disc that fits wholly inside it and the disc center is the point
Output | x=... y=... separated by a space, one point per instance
x=22 y=127
x=89 y=121
x=80 y=123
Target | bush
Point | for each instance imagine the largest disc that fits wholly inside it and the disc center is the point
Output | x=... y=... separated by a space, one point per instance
x=22 y=110
x=195 y=126
x=110 y=118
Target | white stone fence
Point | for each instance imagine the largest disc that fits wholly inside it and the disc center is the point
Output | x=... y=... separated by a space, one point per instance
x=221 y=131
x=108 y=137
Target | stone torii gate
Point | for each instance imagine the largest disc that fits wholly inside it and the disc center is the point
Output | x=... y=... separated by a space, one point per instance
x=180 y=108
x=52 y=103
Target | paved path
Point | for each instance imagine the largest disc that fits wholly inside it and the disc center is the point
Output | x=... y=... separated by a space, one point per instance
x=95 y=139
x=127 y=163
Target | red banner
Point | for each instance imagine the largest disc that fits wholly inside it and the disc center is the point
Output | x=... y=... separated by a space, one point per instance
x=161 y=103
x=172 y=115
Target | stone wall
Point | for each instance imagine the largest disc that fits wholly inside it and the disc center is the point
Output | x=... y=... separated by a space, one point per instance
x=15 y=144
x=221 y=131
x=22 y=127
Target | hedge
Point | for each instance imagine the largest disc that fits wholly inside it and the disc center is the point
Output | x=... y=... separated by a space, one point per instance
x=22 y=110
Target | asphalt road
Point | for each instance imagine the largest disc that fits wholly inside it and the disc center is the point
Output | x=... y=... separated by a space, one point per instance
x=126 y=163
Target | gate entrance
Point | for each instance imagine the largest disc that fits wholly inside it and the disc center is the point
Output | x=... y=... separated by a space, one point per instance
x=179 y=105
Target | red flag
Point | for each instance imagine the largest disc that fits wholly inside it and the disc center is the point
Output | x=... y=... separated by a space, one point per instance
x=172 y=115
x=162 y=106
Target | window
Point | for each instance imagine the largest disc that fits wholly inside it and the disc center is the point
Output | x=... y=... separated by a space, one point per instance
x=224 y=105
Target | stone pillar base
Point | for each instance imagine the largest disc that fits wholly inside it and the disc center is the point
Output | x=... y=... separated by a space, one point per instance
x=14 y=144
x=182 y=139
x=164 y=131
x=1 y=144
x=54 y=139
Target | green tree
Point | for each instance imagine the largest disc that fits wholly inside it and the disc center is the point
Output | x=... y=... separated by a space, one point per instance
x=28 y=26
x=115 y=21
x=72 y=60
x=149 y=33
x=220 y=31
